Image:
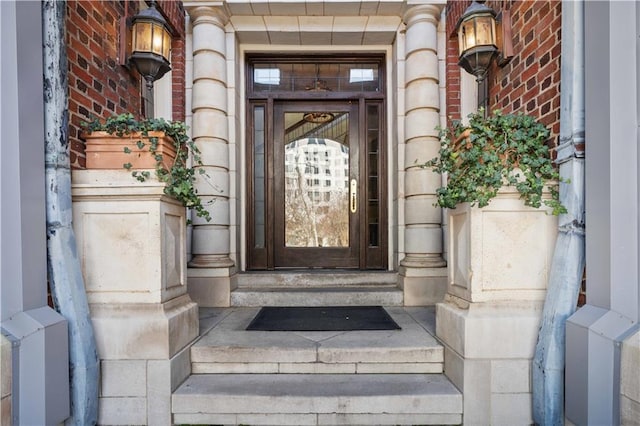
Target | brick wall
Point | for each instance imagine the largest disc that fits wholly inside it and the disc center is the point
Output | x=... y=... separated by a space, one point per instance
x=453 y=12
x=530 y=83
x=98 y=84
x=174 y=13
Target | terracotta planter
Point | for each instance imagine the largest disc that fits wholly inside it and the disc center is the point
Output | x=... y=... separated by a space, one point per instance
x=106 y=151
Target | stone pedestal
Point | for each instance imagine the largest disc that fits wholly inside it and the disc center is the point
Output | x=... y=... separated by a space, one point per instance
x=499 y=261
x=132 y=246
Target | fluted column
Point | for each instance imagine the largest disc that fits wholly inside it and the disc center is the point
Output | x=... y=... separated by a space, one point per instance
x=211 y=240
x=423 y=221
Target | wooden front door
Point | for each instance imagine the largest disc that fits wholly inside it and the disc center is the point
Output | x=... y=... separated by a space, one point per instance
x=316 y=182
x=317 y=185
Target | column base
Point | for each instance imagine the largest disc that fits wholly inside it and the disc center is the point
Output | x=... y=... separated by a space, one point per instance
x=210 y=261
x=426 y=261
x=422 y=286
x=211 y=287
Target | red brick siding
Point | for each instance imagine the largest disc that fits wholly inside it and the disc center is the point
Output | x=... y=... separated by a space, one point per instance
x=178 y=55
x=98 y=84
x=173 y=12
x=582 y=295
x=530 y=83
x=453 y=12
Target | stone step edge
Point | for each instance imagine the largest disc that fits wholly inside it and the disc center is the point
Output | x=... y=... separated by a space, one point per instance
x=366 y=353
x=309 y=393
x=435 y=367
x=316 y=297
x=368 y=288
x=319 y=355
x=334 y=284
x=315 y=279
x=284 y=419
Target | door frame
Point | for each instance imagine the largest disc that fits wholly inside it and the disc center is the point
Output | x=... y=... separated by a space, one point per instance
x=371 y=256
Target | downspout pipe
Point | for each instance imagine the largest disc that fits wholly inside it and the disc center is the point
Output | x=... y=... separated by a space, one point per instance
x=568 y=262
x=65 y=275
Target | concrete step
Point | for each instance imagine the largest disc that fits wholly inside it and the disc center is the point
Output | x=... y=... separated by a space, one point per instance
x=229 y=348
x=320 y=278
x=307 y=399
x=385 y=295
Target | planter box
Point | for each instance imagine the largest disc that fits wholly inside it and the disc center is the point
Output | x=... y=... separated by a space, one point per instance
x=501 y=252
x=131 y=244
x=106 y=151
x=499 y=262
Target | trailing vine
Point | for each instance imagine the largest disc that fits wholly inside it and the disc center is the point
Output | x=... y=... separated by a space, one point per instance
x=490 y=152
x=180 y=177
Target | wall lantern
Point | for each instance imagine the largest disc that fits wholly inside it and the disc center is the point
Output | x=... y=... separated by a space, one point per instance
x=481 y=36
x=150 y=44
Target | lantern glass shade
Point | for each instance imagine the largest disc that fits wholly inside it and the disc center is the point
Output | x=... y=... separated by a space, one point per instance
x=150 y=44
x=166 y=44
x=477 y=42
x=477 y=31
x=151 y=37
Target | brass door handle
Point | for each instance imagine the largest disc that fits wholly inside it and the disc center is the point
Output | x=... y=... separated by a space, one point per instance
x=353 y=196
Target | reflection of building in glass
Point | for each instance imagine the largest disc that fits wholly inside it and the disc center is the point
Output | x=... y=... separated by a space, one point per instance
x=319 y=166
x=316 y=185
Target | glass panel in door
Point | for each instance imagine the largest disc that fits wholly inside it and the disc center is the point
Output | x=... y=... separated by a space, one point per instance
x=316 y=170
x=319 y=186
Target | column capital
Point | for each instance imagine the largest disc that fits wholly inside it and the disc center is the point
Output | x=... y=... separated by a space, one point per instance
x=423 y=13
x=214 y=14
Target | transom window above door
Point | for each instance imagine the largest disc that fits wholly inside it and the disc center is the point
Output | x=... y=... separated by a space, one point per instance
x=309 y=77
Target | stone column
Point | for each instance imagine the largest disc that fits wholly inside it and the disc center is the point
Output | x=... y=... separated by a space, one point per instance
x=423 y=221
x=210 y=131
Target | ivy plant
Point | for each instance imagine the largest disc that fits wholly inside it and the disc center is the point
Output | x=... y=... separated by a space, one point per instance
x=489 y=152
x=180 y=177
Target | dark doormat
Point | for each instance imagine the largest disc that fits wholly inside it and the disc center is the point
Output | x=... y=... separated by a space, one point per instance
x=323 y=318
